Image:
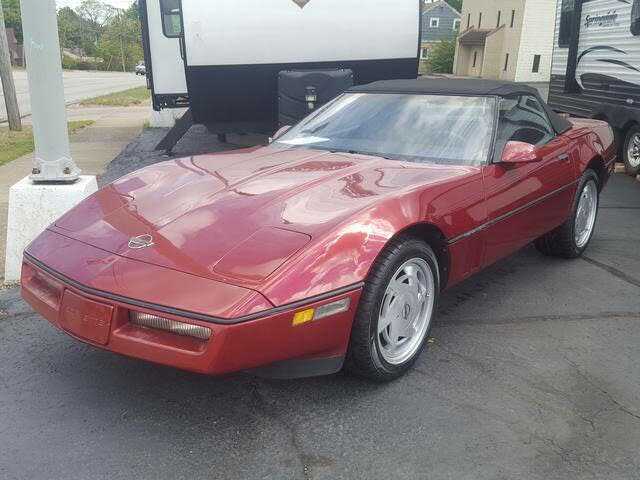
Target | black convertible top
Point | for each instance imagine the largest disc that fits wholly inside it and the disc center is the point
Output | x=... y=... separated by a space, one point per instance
x=462 y=86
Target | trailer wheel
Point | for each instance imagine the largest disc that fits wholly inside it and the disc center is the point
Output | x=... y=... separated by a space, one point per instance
x=631 y=151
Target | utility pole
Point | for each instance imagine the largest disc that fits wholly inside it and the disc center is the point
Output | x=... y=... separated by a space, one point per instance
x=53 y=161
x=6 y=73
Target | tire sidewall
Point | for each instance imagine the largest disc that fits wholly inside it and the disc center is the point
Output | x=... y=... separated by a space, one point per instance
x=412 y=249
x=635 y=130
x=588 y=176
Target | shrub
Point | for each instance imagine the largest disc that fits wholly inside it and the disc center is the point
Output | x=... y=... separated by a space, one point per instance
x=441 y=57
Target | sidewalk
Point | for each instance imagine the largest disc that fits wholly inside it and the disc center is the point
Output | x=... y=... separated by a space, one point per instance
x=92 y=149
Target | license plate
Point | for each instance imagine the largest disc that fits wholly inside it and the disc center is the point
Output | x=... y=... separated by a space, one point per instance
x=85 y=318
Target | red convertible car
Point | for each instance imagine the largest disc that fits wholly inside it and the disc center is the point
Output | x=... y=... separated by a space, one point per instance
x=329 y=247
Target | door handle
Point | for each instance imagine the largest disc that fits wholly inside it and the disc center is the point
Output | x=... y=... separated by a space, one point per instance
x=564 y=157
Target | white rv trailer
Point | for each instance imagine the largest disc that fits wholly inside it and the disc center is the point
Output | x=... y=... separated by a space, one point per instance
x=596 y=67
x=222 y=57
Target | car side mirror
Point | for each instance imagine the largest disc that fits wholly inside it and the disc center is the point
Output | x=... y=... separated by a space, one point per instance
x=519 y=152
x=279 y=133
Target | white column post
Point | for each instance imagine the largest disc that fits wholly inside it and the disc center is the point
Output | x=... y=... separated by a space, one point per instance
x=53 y=161
x=55 y=184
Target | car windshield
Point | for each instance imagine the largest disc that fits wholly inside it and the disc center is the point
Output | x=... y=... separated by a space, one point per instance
x=420 y=128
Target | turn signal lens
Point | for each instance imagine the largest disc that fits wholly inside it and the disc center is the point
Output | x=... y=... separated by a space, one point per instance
x=334 y=308
x=305 y=316
x=171 y=326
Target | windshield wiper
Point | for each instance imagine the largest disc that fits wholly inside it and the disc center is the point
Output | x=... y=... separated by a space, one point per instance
x=314 y=129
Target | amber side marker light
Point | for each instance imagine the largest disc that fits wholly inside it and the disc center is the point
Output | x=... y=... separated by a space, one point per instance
x=311 y=314
x=171 y=326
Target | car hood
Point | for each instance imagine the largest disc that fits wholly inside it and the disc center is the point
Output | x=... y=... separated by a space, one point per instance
x=238 y=216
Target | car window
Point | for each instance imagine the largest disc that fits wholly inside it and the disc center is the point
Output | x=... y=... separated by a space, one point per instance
x=523 y=119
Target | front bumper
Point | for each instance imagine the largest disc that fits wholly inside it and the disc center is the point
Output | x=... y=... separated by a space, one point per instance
x=269 y=341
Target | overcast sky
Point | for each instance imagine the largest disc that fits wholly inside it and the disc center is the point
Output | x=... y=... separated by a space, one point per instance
x=75 y=3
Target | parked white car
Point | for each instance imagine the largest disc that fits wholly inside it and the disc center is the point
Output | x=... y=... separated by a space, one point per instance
x=141 y=69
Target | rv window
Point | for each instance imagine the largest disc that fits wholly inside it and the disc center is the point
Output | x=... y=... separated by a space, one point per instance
x=635 y=18
x=171 y=18
x=567 y=20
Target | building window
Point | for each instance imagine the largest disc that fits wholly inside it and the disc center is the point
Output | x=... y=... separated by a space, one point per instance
x=480 y=20
x=424 y=53
x=468 y=21
x=434 y=22
x=475 y=59
x=513 y=18
x=536 y=63
x=506 y=62
x=498 y=22
x=456 y=25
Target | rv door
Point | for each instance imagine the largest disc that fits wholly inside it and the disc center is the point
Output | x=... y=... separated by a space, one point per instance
x=162 y=39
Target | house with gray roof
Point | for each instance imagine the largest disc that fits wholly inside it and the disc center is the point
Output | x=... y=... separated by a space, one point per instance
x=440 y=21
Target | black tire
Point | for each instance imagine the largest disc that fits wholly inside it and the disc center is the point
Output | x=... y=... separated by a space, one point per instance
x=631 y=165
x=561 y=242
x=364 y=357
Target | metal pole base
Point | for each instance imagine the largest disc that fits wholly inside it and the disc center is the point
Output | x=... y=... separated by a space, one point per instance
x=61 y=170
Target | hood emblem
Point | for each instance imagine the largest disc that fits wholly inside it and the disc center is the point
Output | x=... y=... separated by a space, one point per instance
x=301 y=3
x=142 y=241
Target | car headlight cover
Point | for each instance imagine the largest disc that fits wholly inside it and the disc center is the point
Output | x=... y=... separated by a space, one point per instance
x=171 y=326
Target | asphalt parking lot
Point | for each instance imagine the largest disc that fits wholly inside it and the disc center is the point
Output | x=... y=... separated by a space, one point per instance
x=532 y=374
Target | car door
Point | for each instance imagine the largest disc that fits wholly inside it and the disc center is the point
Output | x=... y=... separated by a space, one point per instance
x=525 y=201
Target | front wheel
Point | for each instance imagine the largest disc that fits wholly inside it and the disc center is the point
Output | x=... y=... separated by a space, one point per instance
x=396 y=311
x=571 y=239
x=631 y=151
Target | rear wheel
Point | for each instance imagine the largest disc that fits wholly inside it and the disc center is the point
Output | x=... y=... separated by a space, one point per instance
x=572 y=238
x=631 y=151
x=396 y=311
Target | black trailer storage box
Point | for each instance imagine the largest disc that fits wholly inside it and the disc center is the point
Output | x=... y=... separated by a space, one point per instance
x=302 y=91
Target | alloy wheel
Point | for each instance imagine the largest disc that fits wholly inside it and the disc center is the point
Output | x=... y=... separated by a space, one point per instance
x=633 y=151
x=406 y=311
x=585 y=219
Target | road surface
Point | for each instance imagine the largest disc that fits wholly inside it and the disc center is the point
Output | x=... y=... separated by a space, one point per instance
x=78 y=85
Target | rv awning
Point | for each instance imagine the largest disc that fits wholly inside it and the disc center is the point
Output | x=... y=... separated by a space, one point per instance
x=474 y=37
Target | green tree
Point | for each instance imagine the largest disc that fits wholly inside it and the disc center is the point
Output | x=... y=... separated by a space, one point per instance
x=132 y=12
x=94 y=15
x=457 y=4
x=441 y=57
x=69 y=28
x=12 y=18
x=120 y=44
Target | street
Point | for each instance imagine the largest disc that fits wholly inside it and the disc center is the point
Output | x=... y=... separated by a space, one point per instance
x=532 y=373
x=78 y=86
